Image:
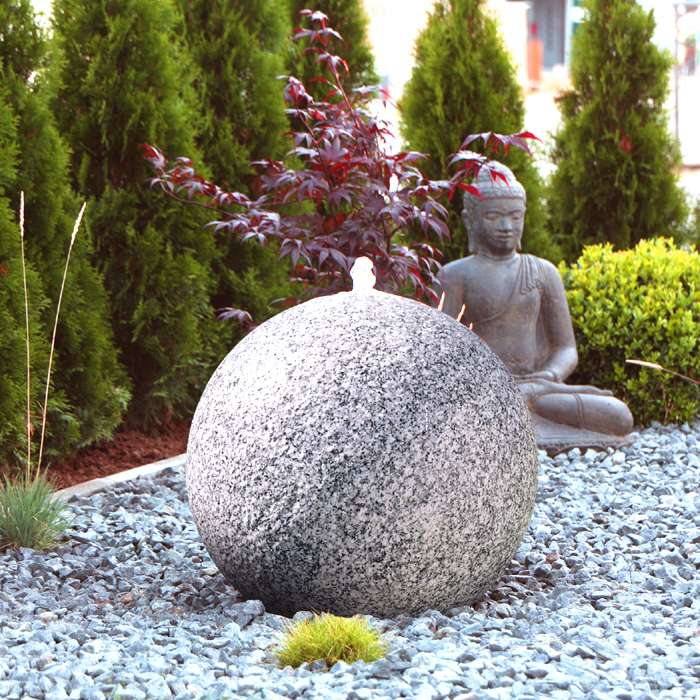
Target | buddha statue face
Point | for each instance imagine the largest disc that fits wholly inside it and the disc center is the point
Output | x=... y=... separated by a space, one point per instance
x=494 y=221
x=498 y=228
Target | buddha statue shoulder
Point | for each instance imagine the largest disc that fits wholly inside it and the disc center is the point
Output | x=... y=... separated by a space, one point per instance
x=517 y=304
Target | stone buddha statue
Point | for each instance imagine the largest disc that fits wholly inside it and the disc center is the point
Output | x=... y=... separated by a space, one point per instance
x=516 y=303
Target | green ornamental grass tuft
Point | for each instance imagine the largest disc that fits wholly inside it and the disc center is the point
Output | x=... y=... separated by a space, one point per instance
x=330 y=638
x=30 y=514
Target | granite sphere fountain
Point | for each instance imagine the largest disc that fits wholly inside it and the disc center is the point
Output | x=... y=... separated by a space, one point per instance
x=361 y=453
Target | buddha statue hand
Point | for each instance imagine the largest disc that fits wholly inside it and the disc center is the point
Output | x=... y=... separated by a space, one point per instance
x=532 y=386
x=548 y=374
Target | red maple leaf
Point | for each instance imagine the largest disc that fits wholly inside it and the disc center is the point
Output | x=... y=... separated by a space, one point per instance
x=626 y=143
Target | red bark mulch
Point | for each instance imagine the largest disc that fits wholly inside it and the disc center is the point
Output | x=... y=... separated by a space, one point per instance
x=127 y=449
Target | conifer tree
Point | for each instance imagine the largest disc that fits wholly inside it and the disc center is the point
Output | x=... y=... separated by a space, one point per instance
x=13 y=377
x=238 y=51
x=616 y=163
x=88 y=381
x=124 y=80
x=463 y=82
x=349 y=19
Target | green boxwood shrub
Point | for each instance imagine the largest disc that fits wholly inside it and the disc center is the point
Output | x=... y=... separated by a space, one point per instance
x=641 y=304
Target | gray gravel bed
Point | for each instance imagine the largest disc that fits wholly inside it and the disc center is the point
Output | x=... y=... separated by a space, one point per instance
x=601 y=601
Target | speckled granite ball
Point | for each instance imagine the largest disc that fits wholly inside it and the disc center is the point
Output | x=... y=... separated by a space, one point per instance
x=361 y=453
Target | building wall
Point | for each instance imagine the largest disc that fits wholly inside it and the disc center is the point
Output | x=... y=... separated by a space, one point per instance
x=547 y=21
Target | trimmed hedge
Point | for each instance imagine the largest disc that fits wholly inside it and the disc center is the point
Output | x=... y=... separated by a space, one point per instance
x=641 y=304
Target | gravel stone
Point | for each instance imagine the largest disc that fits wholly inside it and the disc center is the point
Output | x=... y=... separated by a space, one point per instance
x=107 y=615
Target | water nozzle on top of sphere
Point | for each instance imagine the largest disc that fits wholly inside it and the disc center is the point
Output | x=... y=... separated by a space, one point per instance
x=363 y=279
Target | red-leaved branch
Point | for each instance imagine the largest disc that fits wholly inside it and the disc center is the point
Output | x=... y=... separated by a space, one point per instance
x=346 y=196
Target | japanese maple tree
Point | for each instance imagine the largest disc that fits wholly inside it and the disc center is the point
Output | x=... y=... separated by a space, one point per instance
x=345 y=196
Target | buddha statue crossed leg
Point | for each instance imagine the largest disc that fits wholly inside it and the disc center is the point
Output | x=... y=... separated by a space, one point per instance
x=516 y=303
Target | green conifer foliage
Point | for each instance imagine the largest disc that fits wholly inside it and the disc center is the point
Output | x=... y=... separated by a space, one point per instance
x=463 y=82
x=87 y=379
x=349 y=19
x=86 y=370
x=124 y=80
x=239 y=50
x=21 y=39
x=616 y=176
x=13 y=377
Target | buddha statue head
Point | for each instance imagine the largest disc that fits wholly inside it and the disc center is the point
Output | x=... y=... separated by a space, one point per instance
x=494 y=220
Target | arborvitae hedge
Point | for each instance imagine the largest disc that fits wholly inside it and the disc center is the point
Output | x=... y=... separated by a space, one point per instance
x=87 y=377
x=616 y=177
x=349 y=19
x=239 y=50
x=87 y=370
x=124 y=81
x=463 y=82
x=13 y=377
